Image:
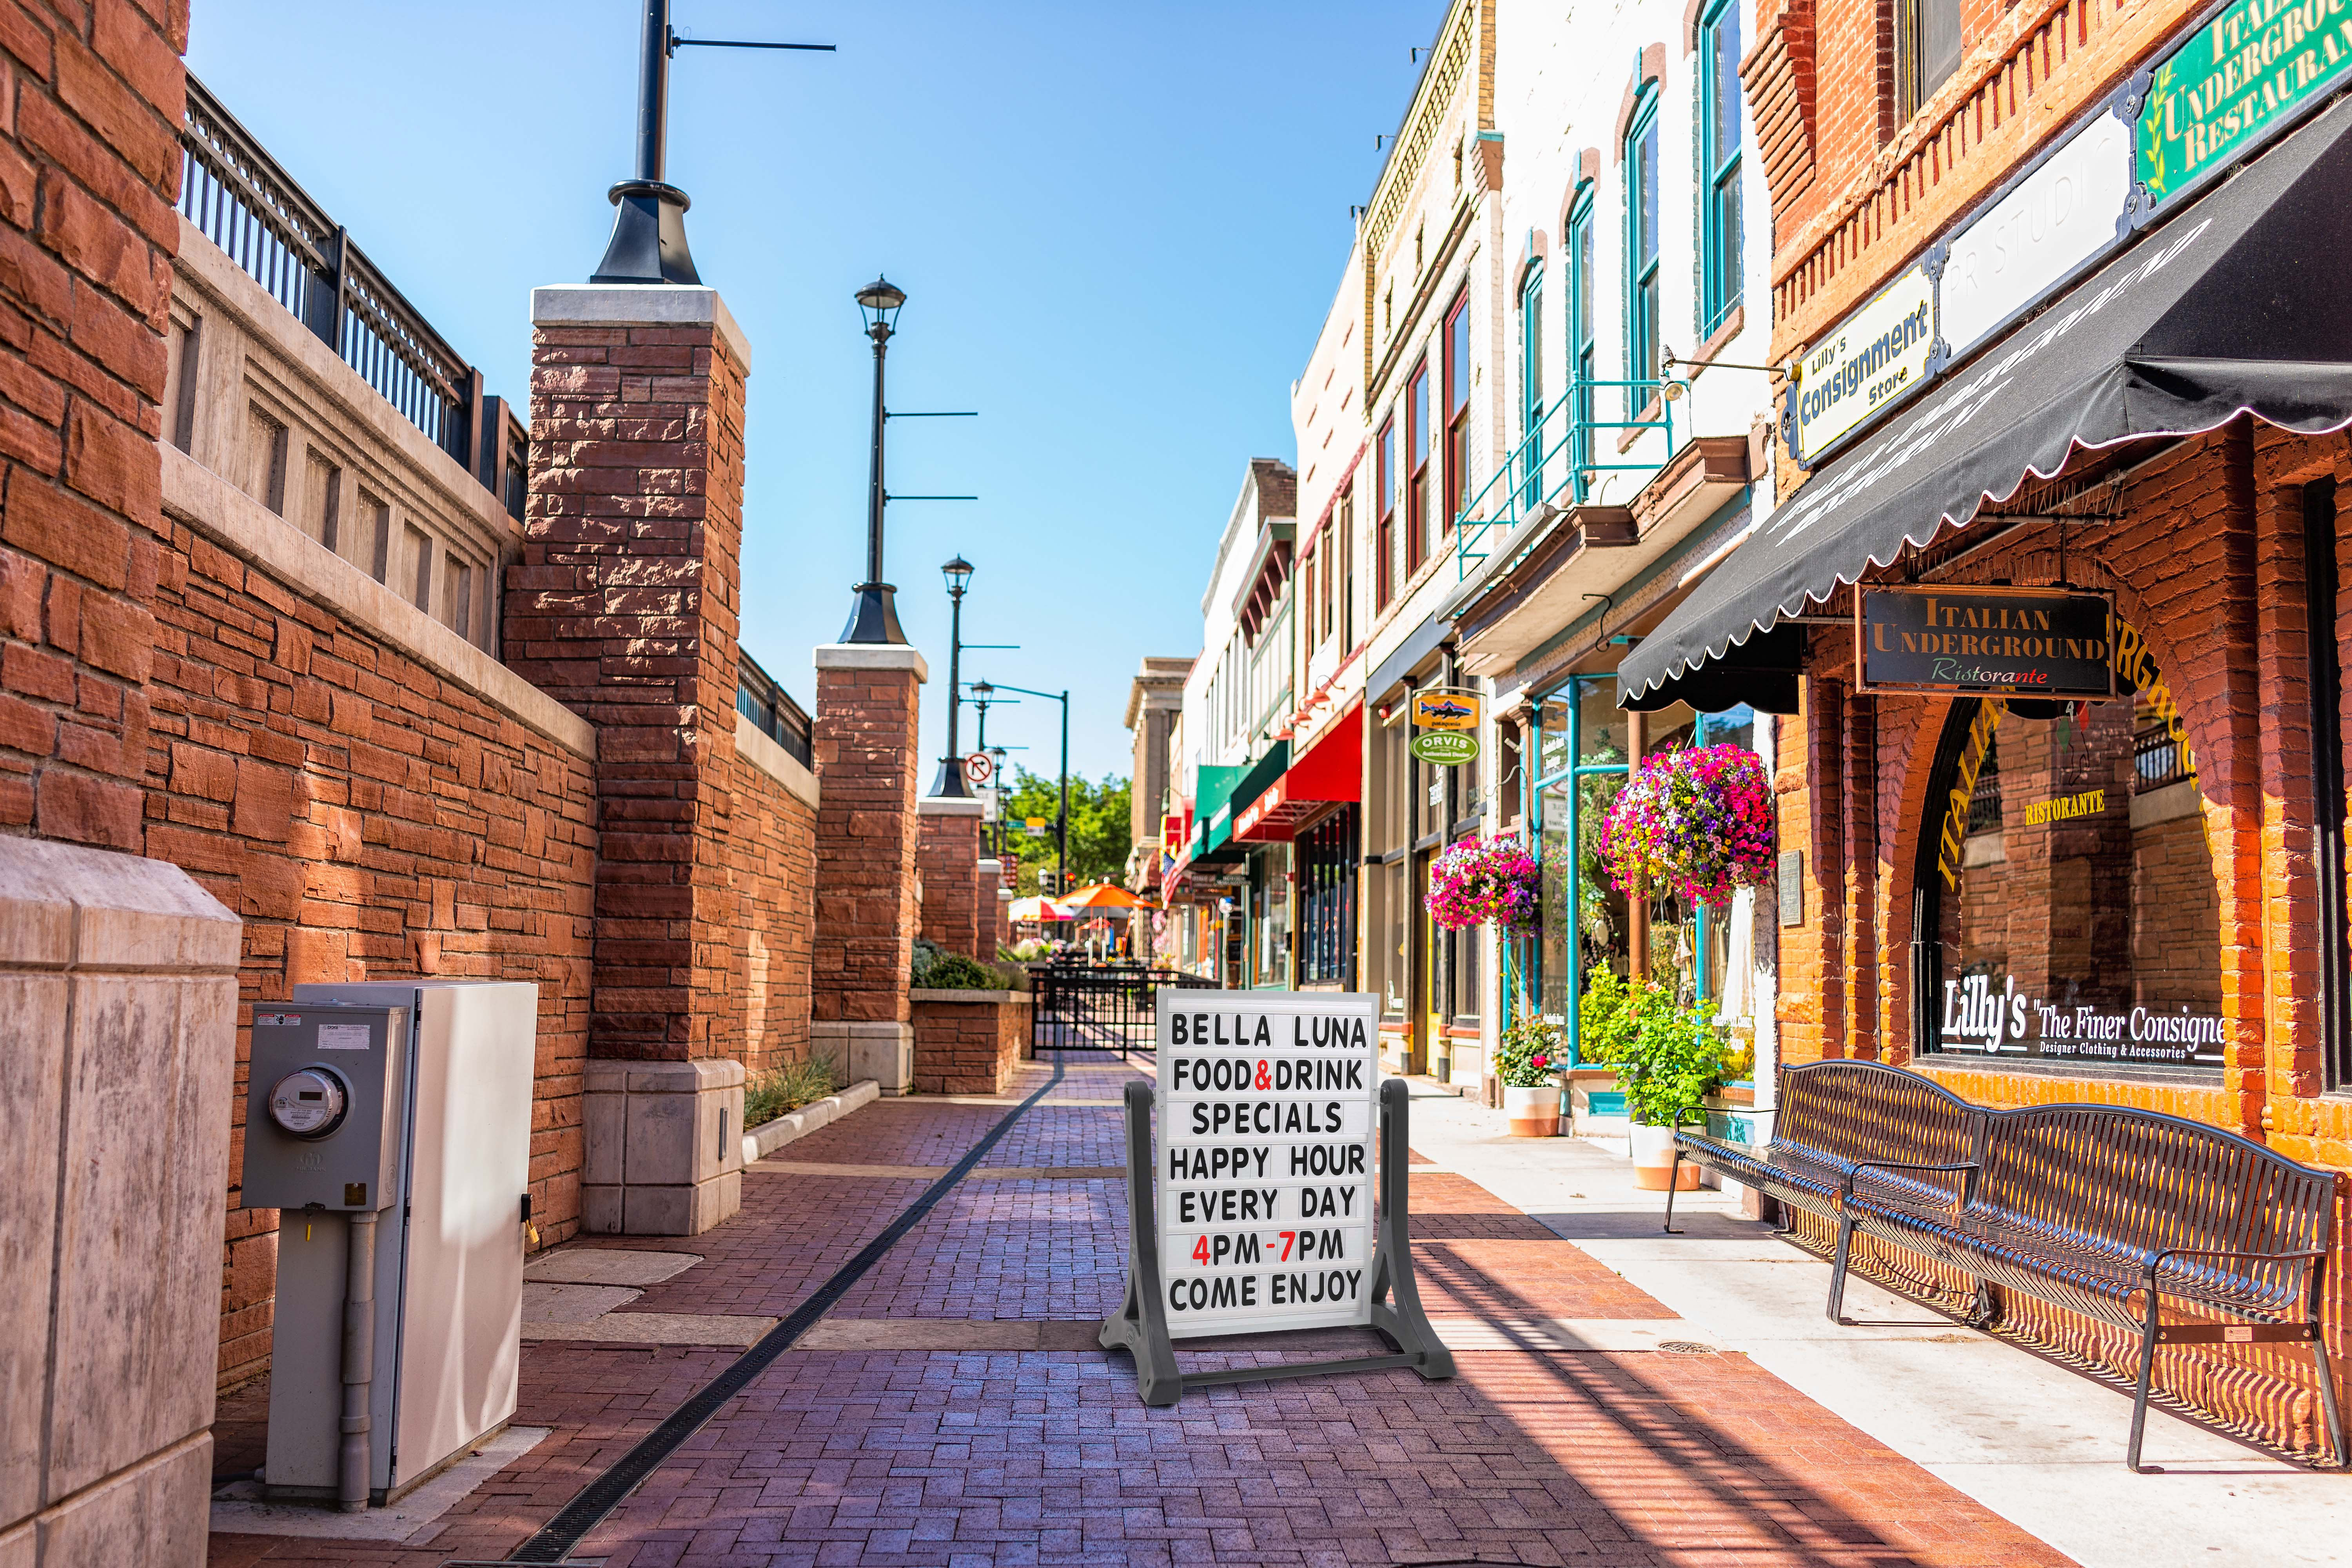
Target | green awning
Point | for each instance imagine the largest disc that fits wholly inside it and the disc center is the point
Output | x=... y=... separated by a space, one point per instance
x=1262 y=776
x=1213 y=815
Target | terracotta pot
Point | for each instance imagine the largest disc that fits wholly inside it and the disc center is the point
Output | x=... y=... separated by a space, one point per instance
x=1654 y=1161
x=1534 y=1112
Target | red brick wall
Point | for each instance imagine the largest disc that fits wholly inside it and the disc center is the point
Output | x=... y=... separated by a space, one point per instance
x=969 y=1047
x=366 y=819
x=768 y=858
x=948 y=858
x=91 y=97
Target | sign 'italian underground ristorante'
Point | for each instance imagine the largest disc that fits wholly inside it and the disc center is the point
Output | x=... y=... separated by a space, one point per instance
x=1992 y=642
x=1268 y=1113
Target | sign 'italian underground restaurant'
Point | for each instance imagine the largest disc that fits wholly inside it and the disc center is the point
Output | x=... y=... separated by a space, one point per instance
x=1992 y=642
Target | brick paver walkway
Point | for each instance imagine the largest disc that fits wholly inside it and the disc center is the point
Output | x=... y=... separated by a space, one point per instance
x=964 y=1457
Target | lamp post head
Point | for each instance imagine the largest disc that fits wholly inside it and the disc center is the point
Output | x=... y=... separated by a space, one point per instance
x=879 y=301
x=981 y=691
x=958 y=572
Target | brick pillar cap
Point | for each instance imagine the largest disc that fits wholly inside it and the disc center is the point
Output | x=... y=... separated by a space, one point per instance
x=639 y=305
x=871 y=656
x=941 y=805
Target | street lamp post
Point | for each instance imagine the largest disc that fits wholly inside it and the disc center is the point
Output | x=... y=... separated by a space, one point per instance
x=982 y=692
x=1062 y=822
x=873 y=614
x=951 y=783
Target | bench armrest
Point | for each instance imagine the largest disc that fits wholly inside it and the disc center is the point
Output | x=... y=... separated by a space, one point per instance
x=1967 y=1187
x=2306 y=1257
x=1692 y=1116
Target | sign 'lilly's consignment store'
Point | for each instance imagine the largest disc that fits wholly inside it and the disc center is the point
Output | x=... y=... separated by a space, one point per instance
x=1255 y=1213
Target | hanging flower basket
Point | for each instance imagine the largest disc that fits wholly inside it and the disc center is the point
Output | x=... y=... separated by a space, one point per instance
x=1486 y=881
x=1699 y=821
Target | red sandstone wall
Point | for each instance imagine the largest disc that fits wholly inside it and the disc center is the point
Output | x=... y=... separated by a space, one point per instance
x=768 y=856
x=367 y=820
x=91 y=97
x=947 y=857
x=968 y=1047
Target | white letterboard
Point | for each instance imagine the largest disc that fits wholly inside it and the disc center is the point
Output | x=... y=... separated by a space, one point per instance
x=1269 y=1114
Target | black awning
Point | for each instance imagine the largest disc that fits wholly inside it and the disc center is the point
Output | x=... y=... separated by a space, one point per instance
x=2237 y=304
x=1762 y=673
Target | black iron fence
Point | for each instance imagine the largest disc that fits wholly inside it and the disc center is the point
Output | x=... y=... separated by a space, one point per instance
x=231 y=188
x=2158 y=760
x=1101 y=1006
x=771 y=708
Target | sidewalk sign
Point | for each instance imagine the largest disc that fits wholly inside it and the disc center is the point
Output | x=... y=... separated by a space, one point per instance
x=1257 y=1216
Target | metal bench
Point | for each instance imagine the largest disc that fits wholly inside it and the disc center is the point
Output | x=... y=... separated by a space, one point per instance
x=1846 y=1132
x=2111 y=1212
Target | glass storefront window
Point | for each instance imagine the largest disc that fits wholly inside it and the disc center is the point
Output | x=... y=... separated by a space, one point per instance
x=1601 y=727
x=2070 y=886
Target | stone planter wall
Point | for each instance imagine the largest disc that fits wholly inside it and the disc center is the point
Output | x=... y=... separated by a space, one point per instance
x=969 y=1042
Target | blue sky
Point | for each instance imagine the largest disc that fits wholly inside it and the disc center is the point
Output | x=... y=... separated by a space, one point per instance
x=1119 y=227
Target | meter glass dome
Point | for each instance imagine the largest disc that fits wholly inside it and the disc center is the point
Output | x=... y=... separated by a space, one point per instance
x=309 y=1104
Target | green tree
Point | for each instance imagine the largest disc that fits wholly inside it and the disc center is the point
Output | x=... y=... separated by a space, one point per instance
x=1100 y=825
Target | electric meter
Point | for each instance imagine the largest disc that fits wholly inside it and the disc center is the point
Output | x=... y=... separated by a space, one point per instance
x=309 y=1102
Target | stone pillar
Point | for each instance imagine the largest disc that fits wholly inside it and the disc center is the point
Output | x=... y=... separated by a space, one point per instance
x=867 y=703
x=118 y=1051
x=994 y=922
x=949 y=860
x=625 y=608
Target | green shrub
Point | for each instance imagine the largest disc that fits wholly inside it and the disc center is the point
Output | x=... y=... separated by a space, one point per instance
x=769 y=1095
x=1667 y=1056
x=937 y=969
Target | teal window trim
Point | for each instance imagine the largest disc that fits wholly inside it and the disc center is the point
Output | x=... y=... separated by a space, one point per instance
x=1583 y=369
x=1719 y=226
x=1531 y=389
x=1642 y=248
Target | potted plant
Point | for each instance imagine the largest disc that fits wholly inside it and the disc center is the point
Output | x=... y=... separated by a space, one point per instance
x=1527 y=1061
x=1699 y=821
x=1667 y=1057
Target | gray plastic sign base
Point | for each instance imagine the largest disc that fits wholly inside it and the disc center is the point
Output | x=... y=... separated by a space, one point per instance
x=1141 y=1325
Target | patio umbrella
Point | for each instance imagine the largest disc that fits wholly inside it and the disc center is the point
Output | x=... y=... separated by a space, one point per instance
x=1102 y=896
x=1034 y=910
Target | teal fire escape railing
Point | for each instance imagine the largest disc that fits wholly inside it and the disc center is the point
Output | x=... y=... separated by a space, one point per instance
x=1561 y=443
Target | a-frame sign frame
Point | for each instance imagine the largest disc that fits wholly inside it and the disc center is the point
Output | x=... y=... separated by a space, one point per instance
x=1141 y=1325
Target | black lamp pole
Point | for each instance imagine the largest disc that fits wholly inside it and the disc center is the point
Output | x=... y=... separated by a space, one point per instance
x=950 y=784
x=874 y=613
x=981 y=693
x=1062 y=822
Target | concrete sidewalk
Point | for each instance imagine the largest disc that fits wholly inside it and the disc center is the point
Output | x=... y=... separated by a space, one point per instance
x=2041 y=1445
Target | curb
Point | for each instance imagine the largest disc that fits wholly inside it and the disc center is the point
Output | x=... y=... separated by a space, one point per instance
x=769 y=1136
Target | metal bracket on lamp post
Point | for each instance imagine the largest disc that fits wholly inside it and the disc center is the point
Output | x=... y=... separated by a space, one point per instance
x=649 y=243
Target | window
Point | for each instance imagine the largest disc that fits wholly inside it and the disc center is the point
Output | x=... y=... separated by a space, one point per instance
x=1326 y=897
x=2321 y=594
x=1347 y=523
x=1457 y=412
x=1531 y=387
x=2066 y=886
x=1642 y=252
x=1927 y=49
x=1719 y=220
x=1324 y=621
x=1384 y=479
x=1582 y=360
x=1308 y=625
x=1416 y=478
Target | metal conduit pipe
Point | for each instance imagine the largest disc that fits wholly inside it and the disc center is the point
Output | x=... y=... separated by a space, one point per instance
x=359 y=1363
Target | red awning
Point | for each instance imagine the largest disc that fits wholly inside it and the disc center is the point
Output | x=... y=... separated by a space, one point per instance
x=1332 y=770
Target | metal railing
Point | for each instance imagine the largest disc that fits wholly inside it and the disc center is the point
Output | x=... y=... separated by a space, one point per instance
x=770 y=708
x=1984 y=798
x=1101 y=1007
x=1563 y=442
x=231 y=188
x=2158 y=760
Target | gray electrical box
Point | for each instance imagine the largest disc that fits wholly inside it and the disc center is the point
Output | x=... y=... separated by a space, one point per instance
x=388 y=1123
x=322 y=1128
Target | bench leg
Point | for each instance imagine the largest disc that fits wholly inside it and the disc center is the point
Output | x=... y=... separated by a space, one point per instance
x=1837 y=1270
x=2147 y=1377
x=1986 y=1307
x=2327 y=1403
x=1674 y=1180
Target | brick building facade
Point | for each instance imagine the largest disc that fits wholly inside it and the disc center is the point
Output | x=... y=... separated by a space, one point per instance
x=2123 y=900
